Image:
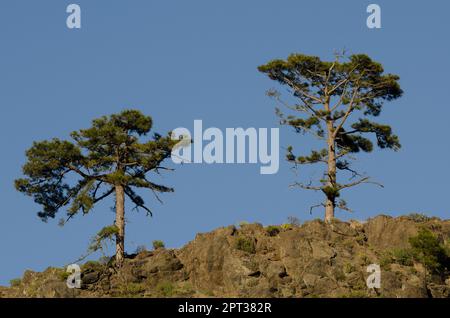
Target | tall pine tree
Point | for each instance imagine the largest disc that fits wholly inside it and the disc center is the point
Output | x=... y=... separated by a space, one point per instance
x=105 y=159
x=335 y=101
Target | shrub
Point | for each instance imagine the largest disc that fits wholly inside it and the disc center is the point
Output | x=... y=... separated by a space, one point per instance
x=361 y=239
x=184 y=289
x=386 y=260
x=158 y=244
x=425 y=249
x=428 y=250
x=339 y=275
x=166 y=289
x=418 y=217
x=132 y=289
x=403 y=257
x=348 y=268
x=63 y=275
x=15 y=282
x=246 y=245
x=92 y=265
x=364 y=259
x=286 y=227
x=273 y=230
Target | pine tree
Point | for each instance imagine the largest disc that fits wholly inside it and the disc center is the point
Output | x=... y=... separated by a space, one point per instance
x=107 y=158
x=329 y=94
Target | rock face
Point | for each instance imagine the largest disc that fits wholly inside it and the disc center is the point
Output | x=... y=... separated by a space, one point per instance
x=311 y=260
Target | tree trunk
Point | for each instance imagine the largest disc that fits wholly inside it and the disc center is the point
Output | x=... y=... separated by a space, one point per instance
x=120 y=224
x=331 y=195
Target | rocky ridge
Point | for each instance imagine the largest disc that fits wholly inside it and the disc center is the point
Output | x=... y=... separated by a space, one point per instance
x=311 y=260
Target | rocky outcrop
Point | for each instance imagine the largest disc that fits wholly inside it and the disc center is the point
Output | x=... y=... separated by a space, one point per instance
x=311 y=260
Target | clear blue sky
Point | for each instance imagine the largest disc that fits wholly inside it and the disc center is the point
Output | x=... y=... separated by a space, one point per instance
x=183 y=60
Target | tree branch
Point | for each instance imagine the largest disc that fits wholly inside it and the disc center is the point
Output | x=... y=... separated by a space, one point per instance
x=315 y=206
x=139 y=203
x=306 y=187
x=295 y=88
x=363 y=180
x=347 y=113
x=104 y=195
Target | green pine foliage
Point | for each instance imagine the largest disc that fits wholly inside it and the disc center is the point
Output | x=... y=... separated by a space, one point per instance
x=79 y=173
x=108 y=233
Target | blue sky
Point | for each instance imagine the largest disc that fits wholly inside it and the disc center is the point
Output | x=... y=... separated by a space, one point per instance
x=183 y=60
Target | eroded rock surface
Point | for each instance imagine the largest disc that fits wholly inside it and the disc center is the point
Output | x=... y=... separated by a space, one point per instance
x=311 y=260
